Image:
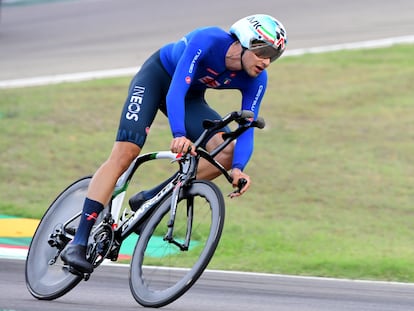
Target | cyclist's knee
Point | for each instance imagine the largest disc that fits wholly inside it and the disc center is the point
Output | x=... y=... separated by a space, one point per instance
x=225 y=157
x=123 y=153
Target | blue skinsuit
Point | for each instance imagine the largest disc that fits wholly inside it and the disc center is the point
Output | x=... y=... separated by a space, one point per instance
x=193 y=64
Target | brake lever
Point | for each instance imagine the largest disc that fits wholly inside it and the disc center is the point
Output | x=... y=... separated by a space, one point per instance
x=240 y=185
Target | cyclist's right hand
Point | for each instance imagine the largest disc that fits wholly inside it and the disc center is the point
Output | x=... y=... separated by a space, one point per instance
x=240 y=179
x=182 y=145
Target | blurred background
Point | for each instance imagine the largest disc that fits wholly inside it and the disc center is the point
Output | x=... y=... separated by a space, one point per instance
x=46 y=37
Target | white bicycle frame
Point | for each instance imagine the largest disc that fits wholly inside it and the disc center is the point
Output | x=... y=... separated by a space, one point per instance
x=120 y=216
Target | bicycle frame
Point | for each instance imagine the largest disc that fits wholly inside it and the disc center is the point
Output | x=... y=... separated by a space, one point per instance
x=124 y=225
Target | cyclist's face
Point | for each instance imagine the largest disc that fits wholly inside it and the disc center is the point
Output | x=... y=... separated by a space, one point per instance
x=254 y=64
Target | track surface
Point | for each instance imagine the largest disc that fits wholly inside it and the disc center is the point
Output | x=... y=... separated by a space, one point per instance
x=108 y=290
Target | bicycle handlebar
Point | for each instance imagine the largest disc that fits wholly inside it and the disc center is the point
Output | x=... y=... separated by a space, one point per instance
x=245 y=120
x=259 y=123
x=238 y=116
x=243 y=117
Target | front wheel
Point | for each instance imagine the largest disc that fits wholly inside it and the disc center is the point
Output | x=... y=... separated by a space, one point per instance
x=46 y=277
x=160 y=271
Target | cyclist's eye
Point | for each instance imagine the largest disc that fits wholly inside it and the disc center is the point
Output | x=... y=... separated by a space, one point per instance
x=266 y=52
x=262 y=54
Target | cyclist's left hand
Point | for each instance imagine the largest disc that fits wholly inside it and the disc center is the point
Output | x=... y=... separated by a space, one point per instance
x=237 y=175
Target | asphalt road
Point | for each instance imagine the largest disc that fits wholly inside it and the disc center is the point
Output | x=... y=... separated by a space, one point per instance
x=108 y=290
x=87 y=35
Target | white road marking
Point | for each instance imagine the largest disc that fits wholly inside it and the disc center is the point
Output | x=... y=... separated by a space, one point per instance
x=130 y=71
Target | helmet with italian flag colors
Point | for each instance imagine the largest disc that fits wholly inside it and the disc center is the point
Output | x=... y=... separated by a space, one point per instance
x=262 y=34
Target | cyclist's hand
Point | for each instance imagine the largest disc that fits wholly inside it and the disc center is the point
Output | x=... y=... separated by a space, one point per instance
x=239 y=179
x=182 y=145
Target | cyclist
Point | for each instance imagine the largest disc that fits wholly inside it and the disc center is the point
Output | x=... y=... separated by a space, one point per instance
x=174 y=80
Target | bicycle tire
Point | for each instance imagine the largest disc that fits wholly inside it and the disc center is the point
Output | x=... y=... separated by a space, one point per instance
x=153 y=285
x=49 y=281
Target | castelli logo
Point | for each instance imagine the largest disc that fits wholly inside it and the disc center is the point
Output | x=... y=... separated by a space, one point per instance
x=188 y=79
x=193 y=62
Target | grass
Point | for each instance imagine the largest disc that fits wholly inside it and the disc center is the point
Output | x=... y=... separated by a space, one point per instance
x=333 y=170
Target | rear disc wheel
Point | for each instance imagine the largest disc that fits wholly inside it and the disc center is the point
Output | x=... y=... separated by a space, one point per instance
x=46 y=276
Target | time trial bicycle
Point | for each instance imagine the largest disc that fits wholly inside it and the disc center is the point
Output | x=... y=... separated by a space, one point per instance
x=179 y=228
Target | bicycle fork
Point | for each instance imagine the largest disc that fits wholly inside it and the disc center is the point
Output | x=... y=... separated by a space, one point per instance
x=190 y=212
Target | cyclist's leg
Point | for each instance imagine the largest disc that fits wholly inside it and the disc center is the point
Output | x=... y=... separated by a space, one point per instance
x=99 y=191
x=197 y=110
x=104 y=179
x=137 y=116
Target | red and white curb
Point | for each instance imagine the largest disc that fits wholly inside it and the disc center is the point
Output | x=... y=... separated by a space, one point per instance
x=13 y=252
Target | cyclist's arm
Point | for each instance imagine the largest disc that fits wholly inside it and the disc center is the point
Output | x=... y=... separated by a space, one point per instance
x=251 y=100
x=180 y=84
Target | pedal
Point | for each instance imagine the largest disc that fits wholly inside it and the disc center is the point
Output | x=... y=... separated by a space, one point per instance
x=71 y=230
x=114 y=252
x=84 y=276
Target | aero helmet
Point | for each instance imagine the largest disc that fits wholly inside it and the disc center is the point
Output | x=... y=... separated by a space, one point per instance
x=262 y=34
